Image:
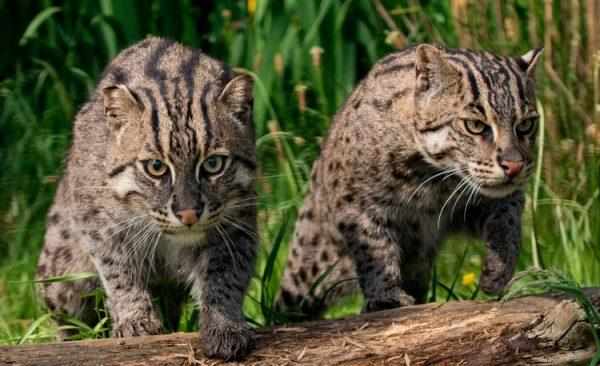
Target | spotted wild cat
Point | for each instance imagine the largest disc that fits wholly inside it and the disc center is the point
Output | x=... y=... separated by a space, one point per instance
x=159 y=187
x=433 y=141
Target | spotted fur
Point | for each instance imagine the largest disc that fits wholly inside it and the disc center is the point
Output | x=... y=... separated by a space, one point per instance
x=162 y=108
x=433 y=141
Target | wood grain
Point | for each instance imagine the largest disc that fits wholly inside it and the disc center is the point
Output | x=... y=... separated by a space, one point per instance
x=533 y=330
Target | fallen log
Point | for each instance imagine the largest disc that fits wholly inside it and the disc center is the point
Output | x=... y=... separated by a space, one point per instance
x=533 y=330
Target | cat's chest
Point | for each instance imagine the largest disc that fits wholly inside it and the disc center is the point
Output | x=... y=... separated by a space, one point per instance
x=412 y=182
x=177 y=259
x=435 y=205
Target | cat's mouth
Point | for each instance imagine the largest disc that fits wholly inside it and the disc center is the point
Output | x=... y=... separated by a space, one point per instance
x=185 y=234
x=499 y=188
x=499 y=191
x=494 y=184
x=177 y=230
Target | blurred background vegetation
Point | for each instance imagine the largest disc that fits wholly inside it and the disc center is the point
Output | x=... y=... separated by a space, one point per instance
x=306 y=56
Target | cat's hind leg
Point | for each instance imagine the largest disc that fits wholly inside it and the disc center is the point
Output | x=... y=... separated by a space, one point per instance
x=61 y=261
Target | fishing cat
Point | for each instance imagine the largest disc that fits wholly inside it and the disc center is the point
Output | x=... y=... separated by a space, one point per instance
x=433 y=141
x=159 y=186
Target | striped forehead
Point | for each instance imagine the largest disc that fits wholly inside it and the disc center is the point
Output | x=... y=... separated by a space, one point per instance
x=495 y=83
x=182 y=90
x=186 y=130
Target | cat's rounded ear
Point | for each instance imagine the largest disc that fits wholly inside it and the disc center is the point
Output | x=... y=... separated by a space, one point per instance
x=528 y=61
x=120 y=105
x=433 y=72
x=237 y=96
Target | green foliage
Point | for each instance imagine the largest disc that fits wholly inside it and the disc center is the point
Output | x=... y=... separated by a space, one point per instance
x=306 y=56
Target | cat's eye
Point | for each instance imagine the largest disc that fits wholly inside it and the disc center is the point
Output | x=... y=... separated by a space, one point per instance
x=475 y=127
x=526 y=126
x=155 y=168
x=214 y=164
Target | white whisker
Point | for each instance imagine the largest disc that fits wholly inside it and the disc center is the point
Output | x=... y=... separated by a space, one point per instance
x=124 y=224
x=243 y=228
x=458 y=187
x=143 y=274
x=447 y=173
x=127 y=227
x=235 y=207
x=132 y=246
x=474 y=191
x=148 y=257
x=463 y=190
x=227 y=242
x=154 y=249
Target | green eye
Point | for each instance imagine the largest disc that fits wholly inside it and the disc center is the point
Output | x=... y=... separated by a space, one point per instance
x=214 y=164
x=155 y=168
x=526 y=126
x=475 y=127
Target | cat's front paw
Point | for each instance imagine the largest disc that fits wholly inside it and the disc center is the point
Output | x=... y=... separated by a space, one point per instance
x=389 y=300
x=136 y=327
x=496 y=274
x=493 y=283
x=229 y=341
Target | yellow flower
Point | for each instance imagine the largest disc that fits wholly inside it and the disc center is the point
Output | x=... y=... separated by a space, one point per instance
x=468 y=279
x=251 y=7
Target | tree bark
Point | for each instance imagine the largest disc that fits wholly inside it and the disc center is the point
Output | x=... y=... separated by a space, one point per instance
x=533 y=330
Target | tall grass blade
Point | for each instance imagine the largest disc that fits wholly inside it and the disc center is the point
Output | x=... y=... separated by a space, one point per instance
x=33 y=27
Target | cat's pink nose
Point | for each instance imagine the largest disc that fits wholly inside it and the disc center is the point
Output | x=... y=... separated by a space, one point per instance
x=188 y=216
x=512 y=168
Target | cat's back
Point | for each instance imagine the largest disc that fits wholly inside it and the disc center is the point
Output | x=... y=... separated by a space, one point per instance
x=379 y=109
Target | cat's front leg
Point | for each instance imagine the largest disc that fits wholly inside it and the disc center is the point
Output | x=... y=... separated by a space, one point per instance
x=377 y=259
x=128 y=298
x=221 y=285
x=502 y=234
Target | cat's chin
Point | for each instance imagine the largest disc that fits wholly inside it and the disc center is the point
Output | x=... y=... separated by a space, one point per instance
x=185 y=237
x=499 y=191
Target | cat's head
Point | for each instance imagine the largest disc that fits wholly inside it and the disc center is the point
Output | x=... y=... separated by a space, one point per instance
x=476 y=114
x=182 y=152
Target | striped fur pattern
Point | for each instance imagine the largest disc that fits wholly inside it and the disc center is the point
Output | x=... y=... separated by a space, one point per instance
x=433 y=141
x=159 y=187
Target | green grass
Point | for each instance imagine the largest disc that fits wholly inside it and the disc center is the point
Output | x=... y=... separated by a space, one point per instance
x=59 y=48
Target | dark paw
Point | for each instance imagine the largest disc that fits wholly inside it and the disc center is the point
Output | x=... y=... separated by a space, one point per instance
x=494 y=279
x=136 y=327
x=497 y=272
x=230 y=342
x=390 y=300
x=493 y=283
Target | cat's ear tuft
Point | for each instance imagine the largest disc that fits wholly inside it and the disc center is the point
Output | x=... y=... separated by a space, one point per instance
x=433 y=72
x=528 y=61
x=120 y=104
x=237 y=96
